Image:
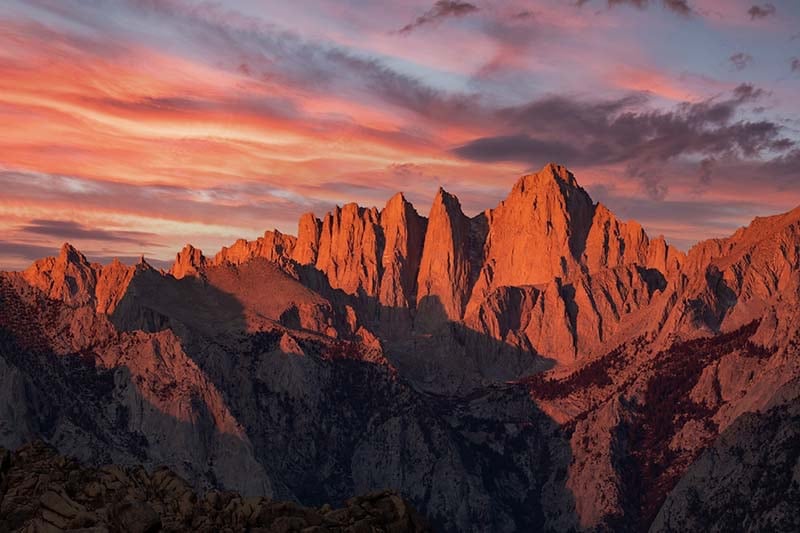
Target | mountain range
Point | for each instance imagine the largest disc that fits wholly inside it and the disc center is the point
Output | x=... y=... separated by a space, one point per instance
x=541 y=366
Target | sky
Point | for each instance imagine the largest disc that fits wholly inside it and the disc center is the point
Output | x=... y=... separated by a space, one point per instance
x=133 y=127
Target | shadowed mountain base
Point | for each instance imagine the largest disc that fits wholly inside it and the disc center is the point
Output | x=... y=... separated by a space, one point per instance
x=65 y=495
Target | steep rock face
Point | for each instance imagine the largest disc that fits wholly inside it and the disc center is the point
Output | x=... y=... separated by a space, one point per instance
x=373 y=255
x=407 y=272
x=663 y=257
x=350 y=249
x=404 y=233
x=564 y=320
x=595 y=477
x=273 y=246
x=68 y=277
x=536 y=234
x=611 y=242
x=726 y=283
x=188 y=262
x=112 y=283
x=71 y=278
x=308 y=234
x=445 y=273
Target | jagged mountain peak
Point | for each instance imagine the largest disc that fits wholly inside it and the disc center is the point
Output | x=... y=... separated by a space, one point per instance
x=550 y=174
x=69 y=254
x=449 y=201
x=189 y=261
x=397 y=199
x=397 y=207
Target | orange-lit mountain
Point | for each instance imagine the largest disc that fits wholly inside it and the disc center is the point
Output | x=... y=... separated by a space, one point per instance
x=543 y=365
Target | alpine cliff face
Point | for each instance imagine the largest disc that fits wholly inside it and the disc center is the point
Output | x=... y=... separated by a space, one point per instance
x=542 y=365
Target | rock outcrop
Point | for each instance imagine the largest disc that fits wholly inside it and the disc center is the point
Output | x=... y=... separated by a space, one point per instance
x=308 y=234
x=538 y=233
x=403 y=235
x=445 y=273
x=188 y=262
x=66 y=495
x=68 y=277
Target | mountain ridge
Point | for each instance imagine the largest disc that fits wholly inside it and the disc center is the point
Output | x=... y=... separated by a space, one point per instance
x=522 y=352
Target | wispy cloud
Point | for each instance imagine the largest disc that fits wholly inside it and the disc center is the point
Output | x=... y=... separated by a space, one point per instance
x=681 y=7
x=740 y=60
x=441 y=10
x=71 y=230
x=761 y=11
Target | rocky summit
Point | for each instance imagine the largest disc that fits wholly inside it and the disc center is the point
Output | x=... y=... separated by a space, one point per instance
x=541 y=366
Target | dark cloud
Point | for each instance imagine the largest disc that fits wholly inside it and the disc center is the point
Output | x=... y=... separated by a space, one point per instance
x=760 y=12
x=740 y=60
x=621 y=131
x=442 y=9
x=706 y=170
x=405 y=91
x=796 y=64
x=25 y=251
x=681 y=7
x=519 y=147
x=70 y=230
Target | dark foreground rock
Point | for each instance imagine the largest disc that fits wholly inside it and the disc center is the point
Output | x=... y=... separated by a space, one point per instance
x=42 y=491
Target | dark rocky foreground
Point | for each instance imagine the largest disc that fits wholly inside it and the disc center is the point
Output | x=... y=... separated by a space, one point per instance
x=42 y=491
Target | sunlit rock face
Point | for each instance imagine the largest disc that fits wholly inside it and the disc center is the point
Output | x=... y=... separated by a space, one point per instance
x=542 y=365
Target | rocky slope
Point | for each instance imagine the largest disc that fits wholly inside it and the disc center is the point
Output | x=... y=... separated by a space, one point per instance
x=749 y=480
x=540 y=366
x=41 y=491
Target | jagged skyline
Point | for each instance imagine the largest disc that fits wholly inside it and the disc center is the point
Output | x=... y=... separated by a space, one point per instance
x=133 y=127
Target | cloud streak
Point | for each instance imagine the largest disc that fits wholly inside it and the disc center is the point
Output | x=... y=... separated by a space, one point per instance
x=71 y=230
x=681 y=7
x=761 y=11
x=441 y=10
